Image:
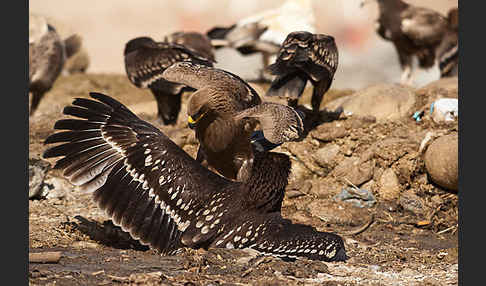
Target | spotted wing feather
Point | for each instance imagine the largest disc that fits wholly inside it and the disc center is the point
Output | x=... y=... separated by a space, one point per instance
x=276 y=236
x=142 y=180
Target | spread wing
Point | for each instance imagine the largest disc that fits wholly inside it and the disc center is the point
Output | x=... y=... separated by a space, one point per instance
x=423 y=26
x=218 y=84
x=145 y=64
x=280 y=123
x=161 y=196
x=139 y=177
x=274 y=235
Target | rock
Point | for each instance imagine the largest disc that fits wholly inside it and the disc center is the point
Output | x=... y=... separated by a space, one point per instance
x=297 y=189
x=339 y=213
x=298 y=171
x=389 y=150
x=326 y=187
x=370 y=185
x=442 y=88
x=358 y=197
x=56 y=188
x=328 y=132
x=85 y=244
x=441 y=161
x=389 y=185
x=355 y=170
x=326 y=157
x=413 y=203
x=302 y=159
x=38 y=169
x=383 y=101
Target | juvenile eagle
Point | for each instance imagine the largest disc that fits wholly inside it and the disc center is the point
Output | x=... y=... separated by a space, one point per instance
x=225 y=110
x=304 y=57
x=414 y=31
x=155 y=191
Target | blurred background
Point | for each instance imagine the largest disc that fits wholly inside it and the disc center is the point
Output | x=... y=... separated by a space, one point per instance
x=106 y=26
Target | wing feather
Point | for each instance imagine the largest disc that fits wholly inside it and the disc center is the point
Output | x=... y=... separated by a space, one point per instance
x=137 y=175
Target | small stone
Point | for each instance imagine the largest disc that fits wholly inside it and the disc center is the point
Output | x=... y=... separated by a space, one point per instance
x=339 y=213
x=84 y=244
x=389 y=186
x=328 y=132
x=413 y=203
x=37 y=173
x=325 y=156
x=354 y=170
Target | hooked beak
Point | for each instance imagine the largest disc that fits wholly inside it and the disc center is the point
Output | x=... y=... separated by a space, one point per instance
x=191 y=122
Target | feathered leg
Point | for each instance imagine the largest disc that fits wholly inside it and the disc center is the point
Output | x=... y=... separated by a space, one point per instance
x=36 y=98
x=407 y=67
x=320 y=88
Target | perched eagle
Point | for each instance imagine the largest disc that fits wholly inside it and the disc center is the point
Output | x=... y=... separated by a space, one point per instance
x=304 y=57
x=414 y=31
x=448 y=51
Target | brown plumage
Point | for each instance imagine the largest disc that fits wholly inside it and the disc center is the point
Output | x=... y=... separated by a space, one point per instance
x=304 y=57
x=414 y=31
x=155 y=191
x=47 y=55
x=195 y=41
x=225 y=110
x=146 y=60
x=448 y=50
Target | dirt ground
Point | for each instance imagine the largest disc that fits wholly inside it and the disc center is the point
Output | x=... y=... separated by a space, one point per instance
x=388 y=243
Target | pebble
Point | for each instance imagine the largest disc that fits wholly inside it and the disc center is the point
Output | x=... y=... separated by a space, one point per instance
x=411 y=202
x=37 y=173
x=389 y=185
x=441 y=161
x=325 y=156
